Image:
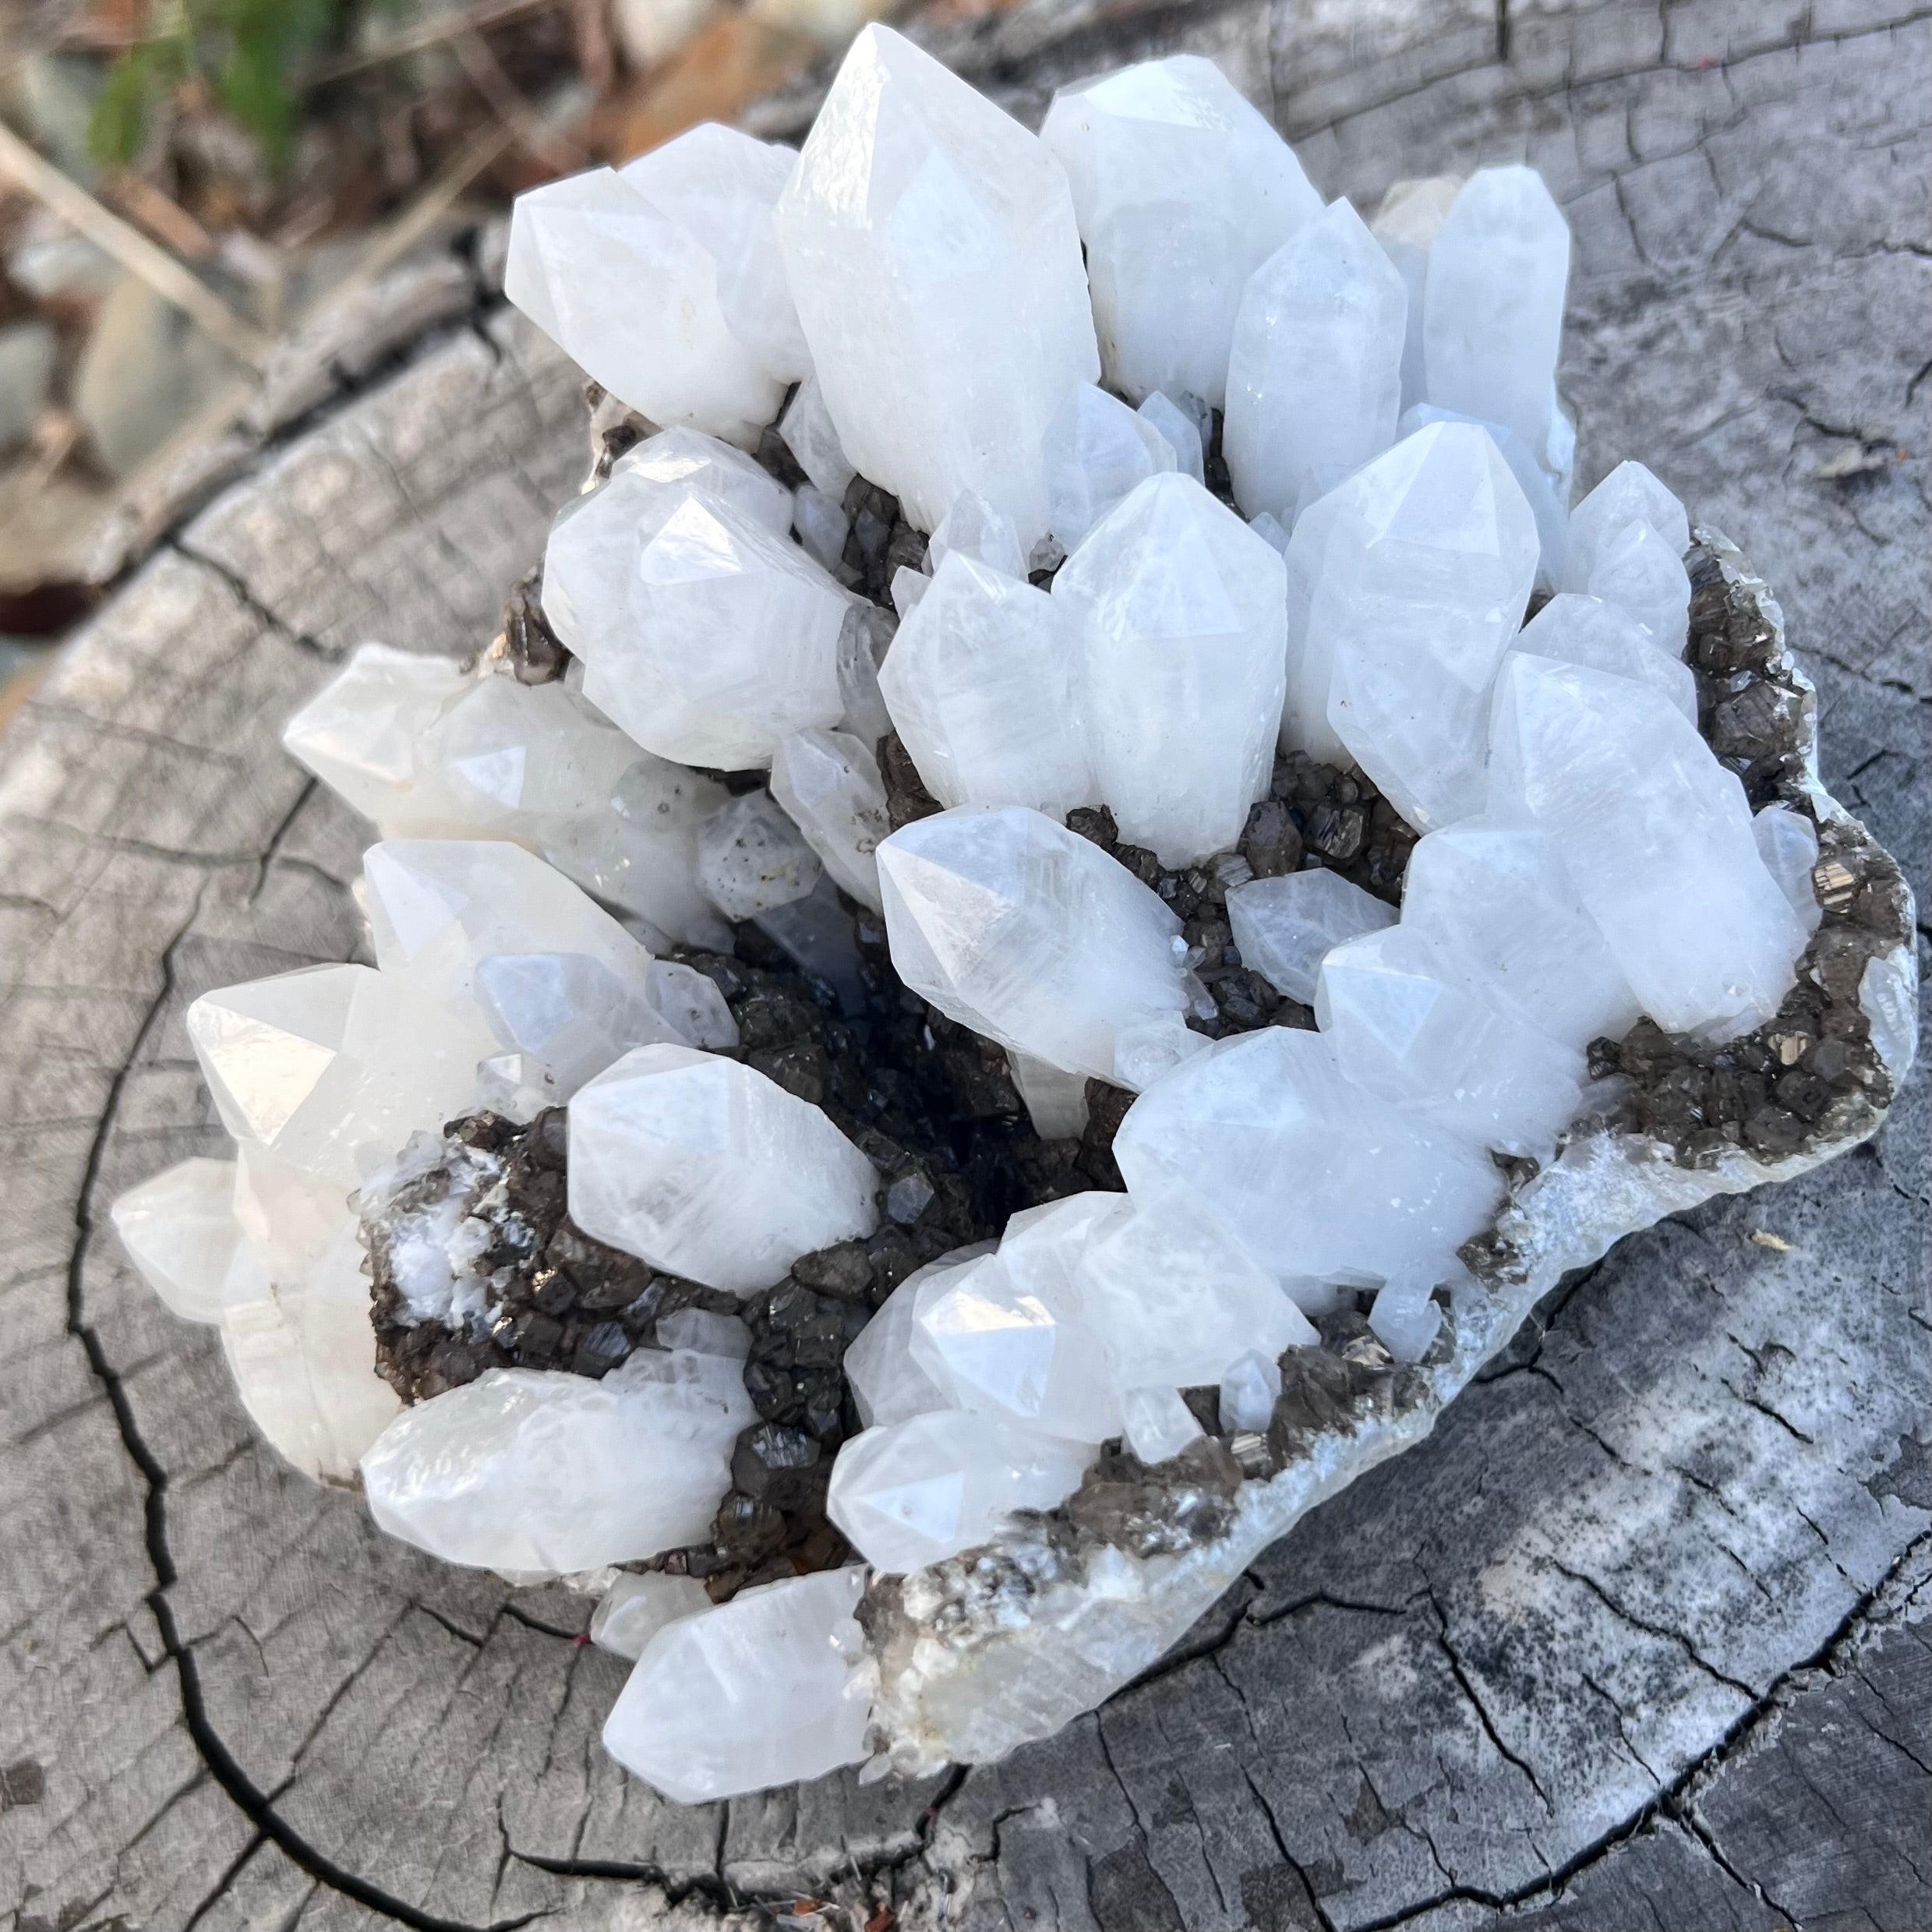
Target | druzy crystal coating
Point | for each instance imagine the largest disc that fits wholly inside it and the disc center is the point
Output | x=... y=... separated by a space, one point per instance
x=1130 y=730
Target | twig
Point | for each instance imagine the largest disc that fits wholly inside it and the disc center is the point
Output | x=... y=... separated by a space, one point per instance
x=131 y=249
x=500 y=92
x=444 y=189
x=418 y=40
x=166 y=218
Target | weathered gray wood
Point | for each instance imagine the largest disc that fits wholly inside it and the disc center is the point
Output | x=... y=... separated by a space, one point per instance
x=1637 y=1638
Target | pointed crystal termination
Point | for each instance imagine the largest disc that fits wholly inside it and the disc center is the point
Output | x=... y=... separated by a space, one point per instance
x=704 y=635
x=1315 y=377
x=1182 y=430
x=1056 y=1102
x=361 y=735
x=1183 y=190
x=887 y=1385
x=659 y=280
x=1788 y=843
x=829 y=785
x=1546 y=500
x=682 y=459
x=1606 y=636
x=568 y=1015
x=302 y=1355
x=1012 y=1335
x=534 y=1469
x=929 y=237
x=1175 y=1297
x=515 y=757
x=180 y=1232
x=1497 y=903
x=762 y=1691
x=1096 y=450
x=1283 y=927
x=1181 y=609
x=1420 y=565
x=986 y=535
x=1375 y=1193
x=706 y=1169
x=635 y=1608
x=982 y=683
x=1655 y=834
x=1630 y=495
x=331 y=1069
x=809 y=433
x=438 y=907
x=918 y=1492
x=1493 y=312
x=1250 y=1386
x=1404 y=1028
x=751 y=858
x=1411 y=217
x=1030 y=934
x=1158 y=1425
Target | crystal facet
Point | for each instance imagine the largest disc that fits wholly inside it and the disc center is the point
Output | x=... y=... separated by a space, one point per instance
x=1096 y=450
x=1284 y=927
x=1788 y=843
x=1605 y=637
x=887 y=1384
x=1315 y=379
x=1157 y=1424
x=681 y=459
x=1028 y=933
x=986 y=535
x=706 y=1169
x=751 y=858
x=635 y=1608
x=1181 y=612
x=1182 y=430
x=1407 y=223
x=1182 y=190
x=927 y=238
x=1630 y=495
x=829 y=785
x=180 y=1231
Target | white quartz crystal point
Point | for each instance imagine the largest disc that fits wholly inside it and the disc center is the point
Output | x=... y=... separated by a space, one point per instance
x=751 y=856
x=533 y=1469
x=179 y=1231
x=1182 y=430
x=1056 y=1102
x=820 y=525
x=692 y=1004
x=1788 y=843
x=1630 y=495
x=1182 y=613
x=982 y=683
x=1320 y=1179
x=568 y=1015
x=1157 y=1424
x=829 y=785
x=863 y=640
x=706 y=1169
x=887 y=1385
x=515 y=757
x=1655 y=834
x=361 y=735
x=1269 y=528
x=302 y=1355
x=816 y=934
x=1283 y=927
x=1096 y=450
x=681 y=459
x=930 y=239
x=1183 y=190
x=720 y=186
x=1407 y=223
x=1547 y=501
x=767 y=1689
x=1250 y=1386
x=330 y=1069
x=1011 y=1333
x=986 y=535
x=909 y=587
x=1497 y=902
x=1422 y=571
x=1175 y=1297
x=1640 y=572
x=808 y=431
x=641 y=854
x=1028 y=933
x=1605 y=637
x=288 y=1216
x=1315 y=376
x=1403 y=1028
x=703 y=633
x=635 y=1608
x=1405 y=1319
x=1493 y=309
x=630 y=293
x=915 y=1492
x=438 y=907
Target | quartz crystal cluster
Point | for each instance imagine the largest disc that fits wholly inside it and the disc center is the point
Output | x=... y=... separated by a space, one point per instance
x=1070 y=831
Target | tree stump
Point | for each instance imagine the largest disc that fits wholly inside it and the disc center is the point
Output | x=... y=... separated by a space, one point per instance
x=1637 y=1637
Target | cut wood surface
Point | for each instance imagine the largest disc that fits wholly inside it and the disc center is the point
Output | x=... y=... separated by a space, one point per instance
x=1638 y=1638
